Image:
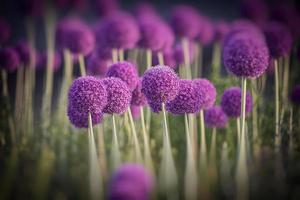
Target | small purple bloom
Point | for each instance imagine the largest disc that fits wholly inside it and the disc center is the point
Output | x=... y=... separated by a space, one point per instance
x=206 y=33
x=187 y=99
x=130 y=182
x=215 y=117
x=245 y=56
x=86 y=95
x=278 y=38
x=160 y=84
x=206 y=92
x=295 y=95
x=185 y=21
x=231 y=102
x=9 y=59
x=4 y=31
x=119 y=95
x=97 y=66
x=126 y=71
x=155 y=107
x=42 y=61
x=135 y=111
x=221 y=29
x=138 y=98
x=255 y=10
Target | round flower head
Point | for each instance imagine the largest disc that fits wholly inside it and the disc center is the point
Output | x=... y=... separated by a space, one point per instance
x=144 y=9
x=206 y=33
x=96 y=66
x=24 y=49
x=138 y=98
x=270 y=69
x=80 y=120
x=245 y=56
x=86 y=95
x=255 y=10
x=231 y=102
x=206 y=92
x=126 y=71
x=160 y=84
x=168 y=35
x=4 y=31
x=221 y=29
x=295 y=95
x=169 y=58
x=154 y=106
x=135 y=111
x=75 y=35
x=278 y=38
x=185 y=21
x=103 y=52
x=179 y=54
x=187 y=99
x=119 y=31
x=119 y=95
x=130 y=181
x=42 y=61
x=215 y=117
x=9 y=59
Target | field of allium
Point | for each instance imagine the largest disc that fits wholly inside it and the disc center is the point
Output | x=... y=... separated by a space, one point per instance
x=136 y=104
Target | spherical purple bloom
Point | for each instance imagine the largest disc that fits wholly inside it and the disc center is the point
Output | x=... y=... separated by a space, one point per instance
x=144 y=9
x=119 y=31
x=24 y=50
x=215 y=117
x=135 y=111
x=75 y=35
x=206 y=33
x=9 y=59
x=138 y=98
x=97 y=66
x=295 y=95
x=103 y=52
x=278 y=38
x=187 y=99
x=126 y=71
x=169 y=58
x=42 y=61
x=168 y=35
x=86 y=95
x=179 y=54
x=206 y=92
x=221 y=29
x=130 y=182
x=185 y=21
x=231 y=102
x=4 y=31
x=160 y=84
x=255 y=10
x=119 y=95
x=246 y=56
x=270 y=69
x=154 y=106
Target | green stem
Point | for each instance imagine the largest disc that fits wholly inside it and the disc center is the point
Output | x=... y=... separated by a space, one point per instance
x=277 y=128
x=82 y=65
x=160 y=57
x=203 y=148
x=115 y=151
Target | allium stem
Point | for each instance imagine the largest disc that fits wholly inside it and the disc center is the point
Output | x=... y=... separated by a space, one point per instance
x=238 y=126
x=95 y=174
x=115 y=149
x=101 y=152
x=277 y=134
x=160 y=57
x=82 y=65
x=147 y=152
x=190 y=178
x=212 y=152
x=19 y=97
x=148 y=111
x=254 y=110
x=242 y=169
x=291 y=137
x=216 y=61
x=203 y=148
x=114 y=55
x=121 y=55
x=186 y=56
x=148 y=58
x=198 y=61
x=286 y=75
x=137 y=149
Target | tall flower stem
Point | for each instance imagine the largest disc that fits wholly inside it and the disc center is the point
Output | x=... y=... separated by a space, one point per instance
x=203 y=147
x=148 y=112
x=216 y=61
x=121 y=55
x=82 y=65
x=242 y=179
x=101 y=152
x=114 y=55
x=94 y=170
x=190 y=178
x=254 y=111
x=160 y=57
x=115 y=149
x=198 y=61
x=19 y=97
x=238 y=126
x=277 y=128
x=186 y=56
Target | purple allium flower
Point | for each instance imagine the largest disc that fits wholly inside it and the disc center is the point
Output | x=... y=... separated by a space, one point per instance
x=255 y=10
x=221 y=29
x=168 y=36
x=179 y=54
x=107 y=7
x=138 y=98
x=206 y=33
x=24 y=49
x=187 y=99
x=97 y=66
x=119 y=95
x=75 y=35
x=231 y=102
x=9 y=59
x=155 y=107
x=160 y=84
x=144 y=9
x=295 y=95
x=126 y=71
x=42 y=61
x=215 y=117
x=245 y=55
x=103 y=52
x=135 y=111
x=119 y=31
x=278 y=38
x=185 y=21
x=130 y=181
x=169 y=58
x=4 y=31
x=206 y=91
x=86 y=95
